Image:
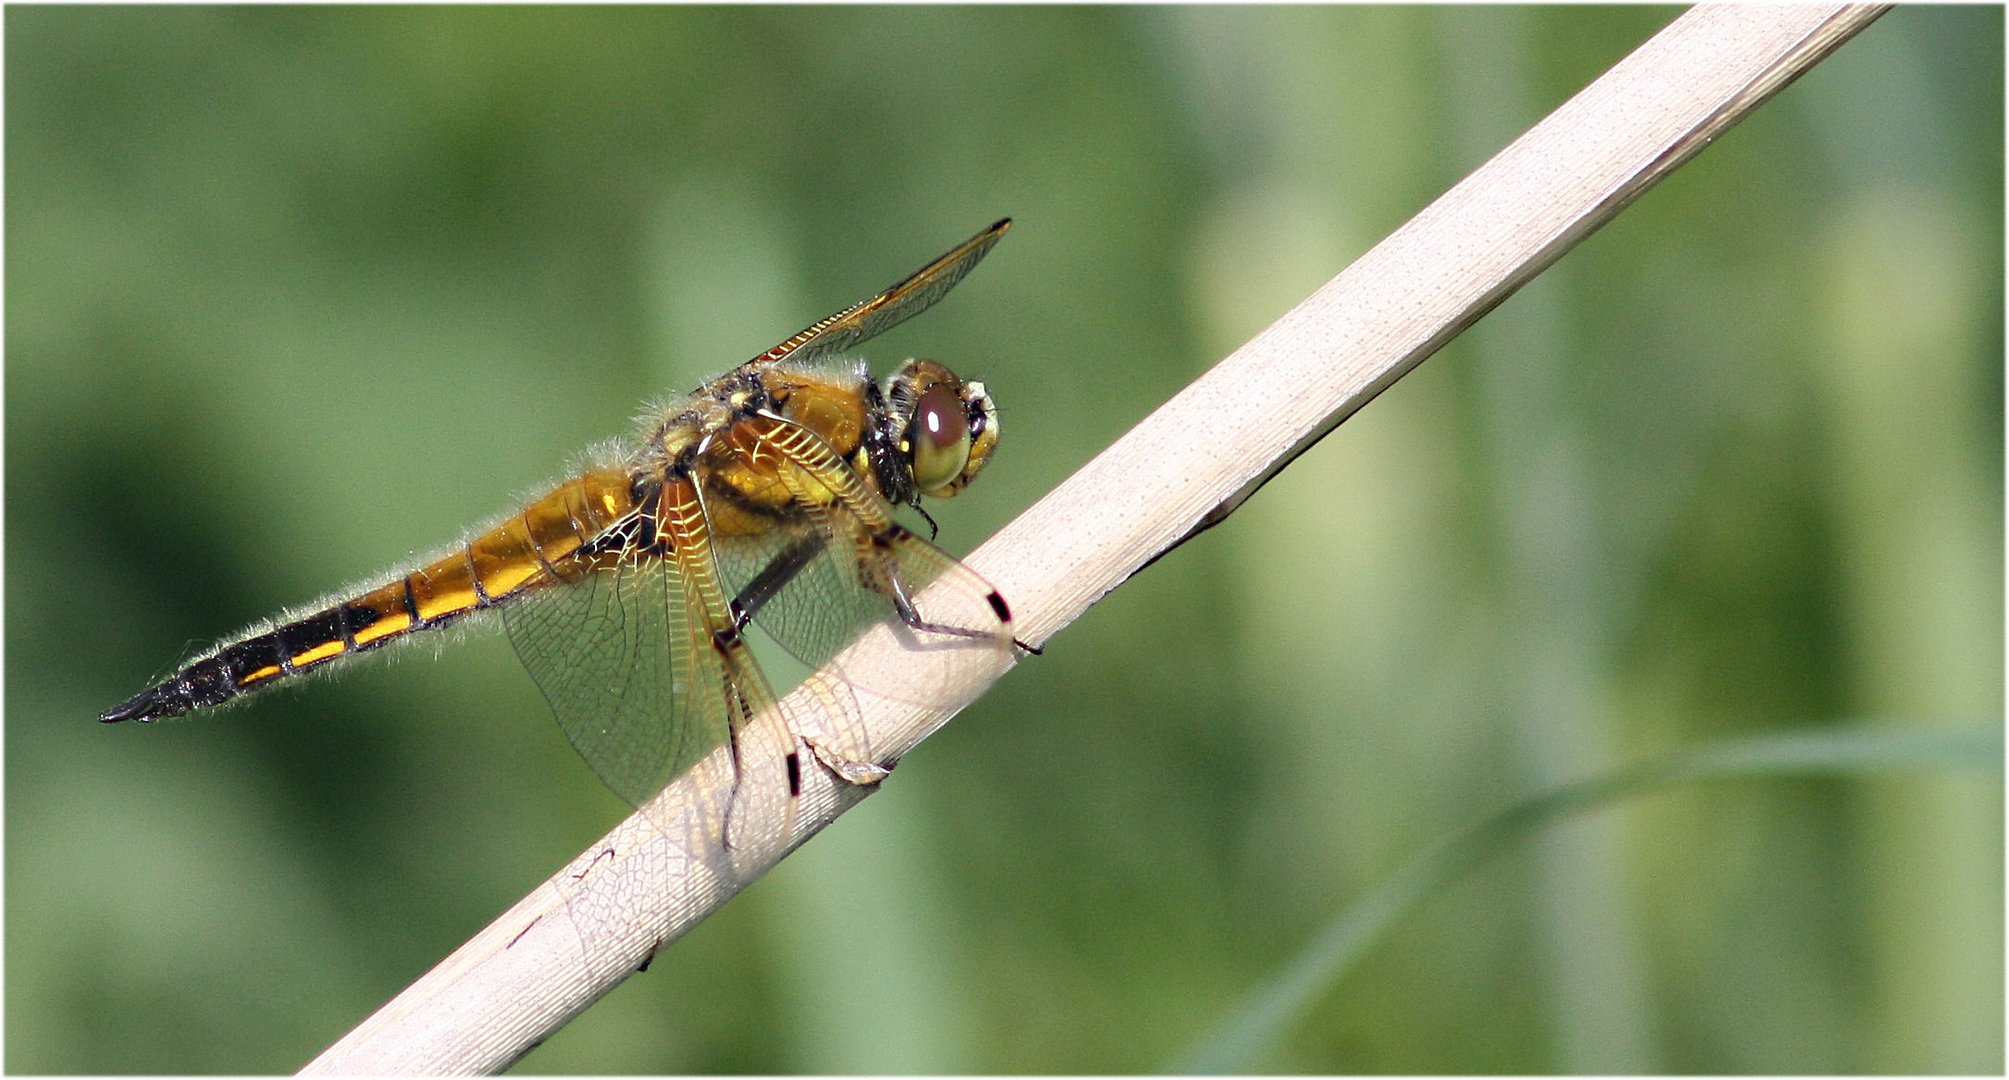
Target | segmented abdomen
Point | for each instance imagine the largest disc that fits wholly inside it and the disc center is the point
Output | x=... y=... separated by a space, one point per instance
x=530 y=550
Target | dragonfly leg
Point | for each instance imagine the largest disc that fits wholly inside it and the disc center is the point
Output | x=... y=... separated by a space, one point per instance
x=774 y=577
x=895 y=590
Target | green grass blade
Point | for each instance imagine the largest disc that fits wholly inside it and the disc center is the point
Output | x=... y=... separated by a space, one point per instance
x=1238 y=1043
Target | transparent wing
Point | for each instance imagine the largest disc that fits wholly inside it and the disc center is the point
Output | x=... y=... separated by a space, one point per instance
x=612 y=653
x=910 y=297
x=636 y=656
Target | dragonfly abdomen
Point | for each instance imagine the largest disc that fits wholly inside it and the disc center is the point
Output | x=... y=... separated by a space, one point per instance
x=529 y=550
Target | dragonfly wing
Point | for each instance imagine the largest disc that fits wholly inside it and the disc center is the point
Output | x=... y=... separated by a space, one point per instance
x=912 y=295
x=612 y=655
x=642 y=662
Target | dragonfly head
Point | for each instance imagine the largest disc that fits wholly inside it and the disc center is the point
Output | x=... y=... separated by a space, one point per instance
x=947 y=426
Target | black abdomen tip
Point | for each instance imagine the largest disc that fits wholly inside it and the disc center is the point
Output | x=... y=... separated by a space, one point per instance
x=199 y=686
x=149 y=704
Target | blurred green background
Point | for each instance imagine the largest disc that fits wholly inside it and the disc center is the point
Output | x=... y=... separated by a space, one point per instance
x=293 y=294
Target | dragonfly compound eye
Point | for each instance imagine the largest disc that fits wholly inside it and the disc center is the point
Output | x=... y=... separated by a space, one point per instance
x=939 y=436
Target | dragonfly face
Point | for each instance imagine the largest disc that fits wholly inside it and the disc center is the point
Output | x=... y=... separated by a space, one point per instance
x=765 y=497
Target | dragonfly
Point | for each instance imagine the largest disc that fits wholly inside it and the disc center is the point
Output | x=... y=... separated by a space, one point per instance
x=766 y=497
